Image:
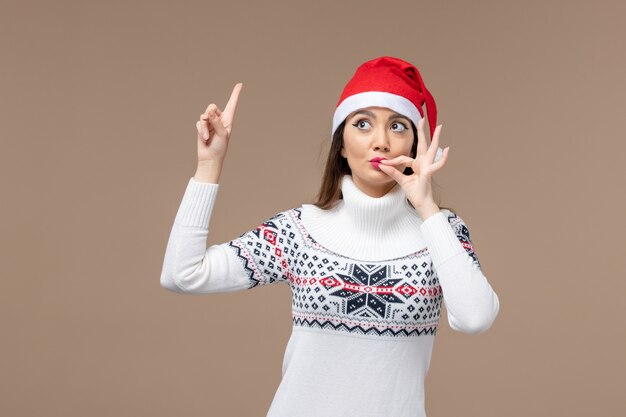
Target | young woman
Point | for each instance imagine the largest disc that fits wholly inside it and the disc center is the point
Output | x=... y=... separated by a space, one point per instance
x=369 y=264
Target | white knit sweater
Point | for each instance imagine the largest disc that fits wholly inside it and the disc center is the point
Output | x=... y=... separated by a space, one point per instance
x=368 y=280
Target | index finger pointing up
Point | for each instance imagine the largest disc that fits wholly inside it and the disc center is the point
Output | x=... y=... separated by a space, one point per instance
x=232 y=101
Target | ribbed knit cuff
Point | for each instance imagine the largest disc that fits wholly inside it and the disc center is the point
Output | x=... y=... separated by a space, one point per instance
x=441 y=239
x=197 y=204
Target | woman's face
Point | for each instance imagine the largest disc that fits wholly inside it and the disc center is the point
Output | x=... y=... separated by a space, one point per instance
x=375 y=132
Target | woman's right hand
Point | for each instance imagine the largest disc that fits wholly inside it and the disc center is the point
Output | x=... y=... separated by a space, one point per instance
x=214 y=129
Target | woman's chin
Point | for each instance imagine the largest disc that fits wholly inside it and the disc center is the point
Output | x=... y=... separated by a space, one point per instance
x=377 y=176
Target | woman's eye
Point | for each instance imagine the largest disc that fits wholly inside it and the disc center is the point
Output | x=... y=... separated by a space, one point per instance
x=403 y=127
x=361 y=123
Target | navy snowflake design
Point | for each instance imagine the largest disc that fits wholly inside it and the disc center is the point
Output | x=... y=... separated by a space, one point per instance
x=368 y=290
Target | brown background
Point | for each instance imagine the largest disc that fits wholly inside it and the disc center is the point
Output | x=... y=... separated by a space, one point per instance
x=99 y=103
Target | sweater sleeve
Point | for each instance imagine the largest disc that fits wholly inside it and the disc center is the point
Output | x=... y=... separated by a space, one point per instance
x=189 y=266
x=471 y=303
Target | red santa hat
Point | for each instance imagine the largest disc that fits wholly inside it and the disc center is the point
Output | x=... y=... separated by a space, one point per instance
x=387 y=82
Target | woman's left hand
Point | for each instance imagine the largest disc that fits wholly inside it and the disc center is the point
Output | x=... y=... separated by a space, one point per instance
x=417 y=186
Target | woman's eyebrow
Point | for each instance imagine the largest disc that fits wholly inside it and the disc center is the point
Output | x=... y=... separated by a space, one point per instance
x=372 y=115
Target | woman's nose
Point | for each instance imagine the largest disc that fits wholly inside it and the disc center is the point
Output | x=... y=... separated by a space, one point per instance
x=381 y=141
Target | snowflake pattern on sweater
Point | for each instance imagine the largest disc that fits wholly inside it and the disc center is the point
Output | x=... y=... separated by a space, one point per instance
x=398 y=297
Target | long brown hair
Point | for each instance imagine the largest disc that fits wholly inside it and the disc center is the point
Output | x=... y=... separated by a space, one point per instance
x=337 y=166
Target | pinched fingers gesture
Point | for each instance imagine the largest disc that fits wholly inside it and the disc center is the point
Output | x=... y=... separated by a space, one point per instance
x=417 y=186
x=214 y=128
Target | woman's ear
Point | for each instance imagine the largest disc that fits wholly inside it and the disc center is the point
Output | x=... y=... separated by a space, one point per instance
x=343 y=151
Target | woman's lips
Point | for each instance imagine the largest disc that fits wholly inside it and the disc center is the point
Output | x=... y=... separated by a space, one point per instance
x=376 y=162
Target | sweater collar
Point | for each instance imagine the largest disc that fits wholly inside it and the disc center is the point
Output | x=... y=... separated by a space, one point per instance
x=364 y=227
x=371 y=214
